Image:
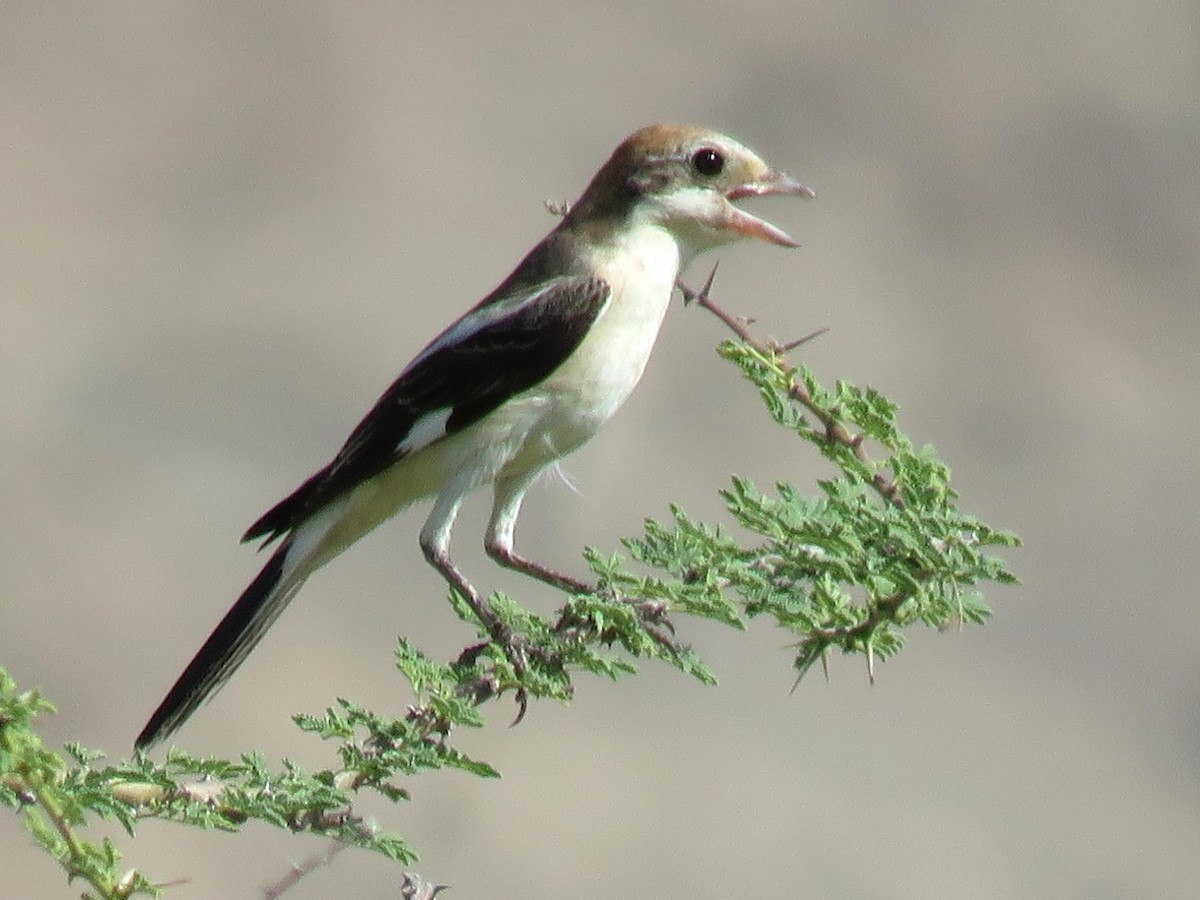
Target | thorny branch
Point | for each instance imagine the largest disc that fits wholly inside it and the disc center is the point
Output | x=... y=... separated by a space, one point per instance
x=299 y=871
x=835 y=431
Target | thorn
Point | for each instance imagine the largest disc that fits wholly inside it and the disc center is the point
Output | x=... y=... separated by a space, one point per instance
x=690 y=296
x=470 y=655
x=871 y=664
x=709 y=283
x=792 y=345
x=522 y=707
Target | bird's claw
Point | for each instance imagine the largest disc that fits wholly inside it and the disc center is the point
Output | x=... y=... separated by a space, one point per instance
x=515 y=648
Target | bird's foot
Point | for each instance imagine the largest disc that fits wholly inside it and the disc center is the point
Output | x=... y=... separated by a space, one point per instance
x=488 y=684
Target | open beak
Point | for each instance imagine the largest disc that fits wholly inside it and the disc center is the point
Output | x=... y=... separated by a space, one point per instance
x=743 y=223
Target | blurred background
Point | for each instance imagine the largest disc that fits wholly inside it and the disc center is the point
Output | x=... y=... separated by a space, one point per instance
x=225 y=227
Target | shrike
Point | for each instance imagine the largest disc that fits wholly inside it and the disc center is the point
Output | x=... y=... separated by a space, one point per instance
x=523 y=378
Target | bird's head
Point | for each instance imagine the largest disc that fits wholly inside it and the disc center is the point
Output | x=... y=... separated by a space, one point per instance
x=686 y=180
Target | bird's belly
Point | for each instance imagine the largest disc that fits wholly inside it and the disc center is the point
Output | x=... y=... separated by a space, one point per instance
x=589 y=388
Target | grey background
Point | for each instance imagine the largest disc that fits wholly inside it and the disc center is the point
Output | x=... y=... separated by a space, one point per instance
x=225 y=228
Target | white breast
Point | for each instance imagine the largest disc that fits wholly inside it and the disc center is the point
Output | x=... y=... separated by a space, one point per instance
x=565 y=410
x=603 y=372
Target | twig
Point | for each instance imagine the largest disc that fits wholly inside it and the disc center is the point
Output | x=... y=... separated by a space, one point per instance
x=835 y=431
x=301 y=870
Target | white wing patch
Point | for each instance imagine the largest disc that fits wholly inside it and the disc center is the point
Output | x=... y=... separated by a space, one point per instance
x=427 y=429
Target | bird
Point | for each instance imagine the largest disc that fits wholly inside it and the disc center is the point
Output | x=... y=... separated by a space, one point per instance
x=523 y=378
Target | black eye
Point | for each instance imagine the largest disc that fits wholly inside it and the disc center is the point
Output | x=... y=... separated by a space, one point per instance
x=708 y=161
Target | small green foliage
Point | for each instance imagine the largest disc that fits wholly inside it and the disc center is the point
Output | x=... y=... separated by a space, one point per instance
x=884 y=544
x=878 y=547
x=56 y=799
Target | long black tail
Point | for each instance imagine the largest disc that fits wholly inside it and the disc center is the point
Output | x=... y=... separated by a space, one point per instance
x=227 y=647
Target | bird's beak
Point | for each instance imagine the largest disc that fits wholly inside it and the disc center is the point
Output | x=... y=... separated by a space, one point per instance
x=741 y=222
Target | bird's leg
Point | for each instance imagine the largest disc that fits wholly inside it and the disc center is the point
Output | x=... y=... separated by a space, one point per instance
x=512 y=644
x=498 y=543
x=441 y=561
x=435 y=544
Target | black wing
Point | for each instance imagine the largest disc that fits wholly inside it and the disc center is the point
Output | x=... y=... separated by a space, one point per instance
x=500 y=348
